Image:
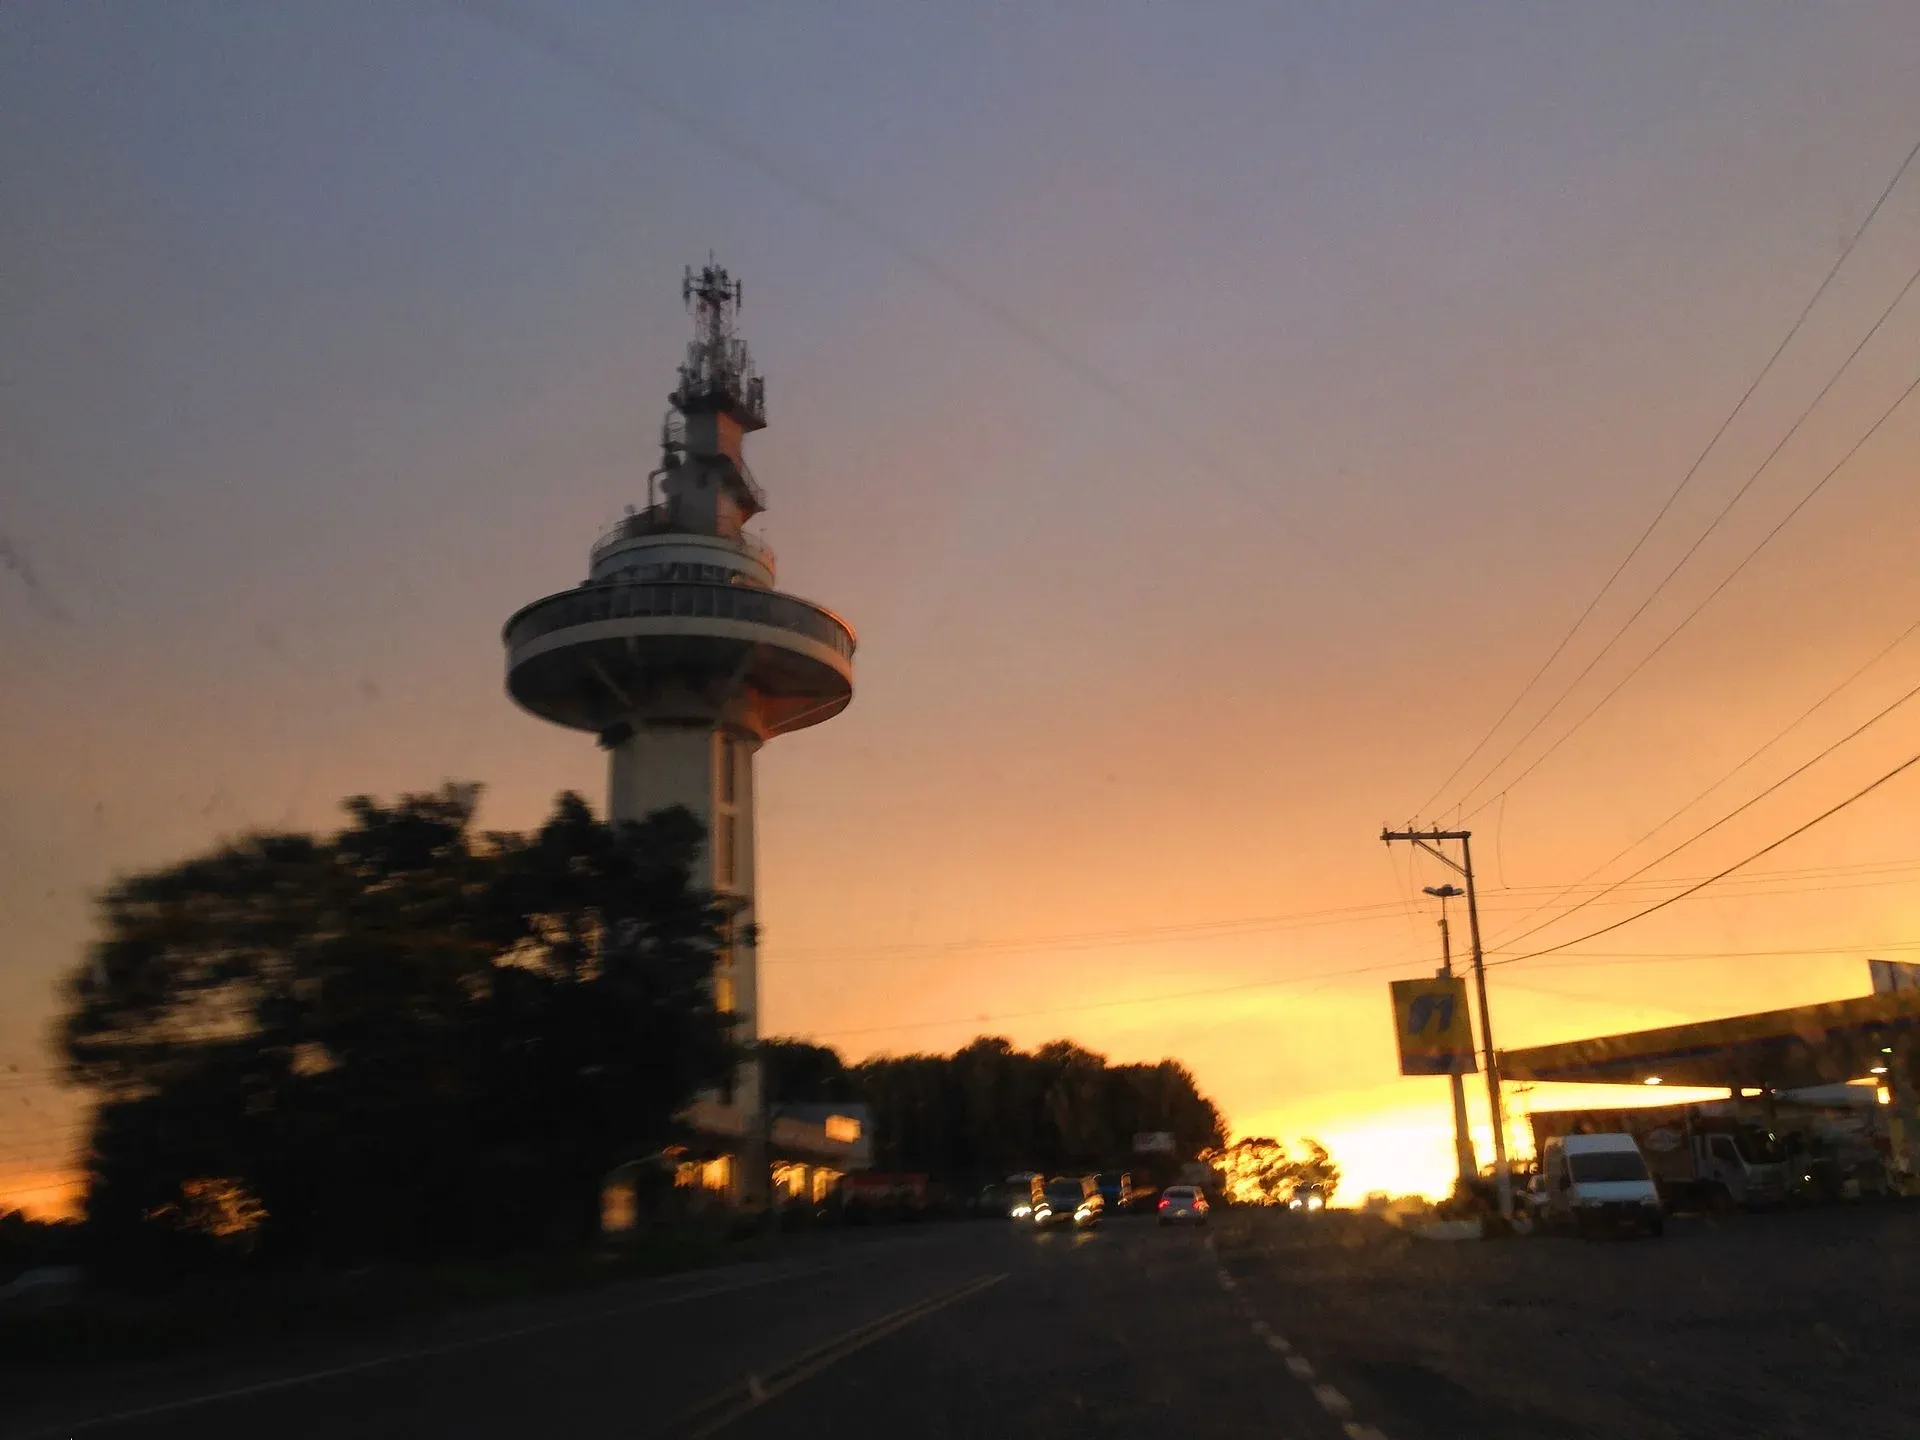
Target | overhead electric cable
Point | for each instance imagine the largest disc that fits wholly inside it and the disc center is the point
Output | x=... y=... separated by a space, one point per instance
x=1793 y=331
x=1800 y=830
x=700 y=124
x=1741 y=809
x=1778 y=736
x=1714 y=593
x=1607 y=649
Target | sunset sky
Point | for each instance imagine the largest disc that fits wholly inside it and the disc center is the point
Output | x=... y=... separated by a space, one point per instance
x=1208 y=416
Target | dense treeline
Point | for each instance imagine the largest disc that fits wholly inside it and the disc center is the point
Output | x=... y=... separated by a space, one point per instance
x=413 y=1039
x=989 y=1110
x=408 y=1038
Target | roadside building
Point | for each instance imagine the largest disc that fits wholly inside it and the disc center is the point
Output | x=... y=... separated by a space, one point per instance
x=1803 y=1068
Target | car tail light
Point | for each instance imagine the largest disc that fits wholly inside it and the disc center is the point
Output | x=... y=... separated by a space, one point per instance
x=1165 y=1203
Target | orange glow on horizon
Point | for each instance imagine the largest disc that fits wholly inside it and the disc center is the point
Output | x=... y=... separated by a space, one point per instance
x=1226 y=549
x=43 y=1194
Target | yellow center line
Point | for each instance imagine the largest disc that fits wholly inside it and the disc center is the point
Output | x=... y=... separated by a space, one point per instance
x=717 y=1412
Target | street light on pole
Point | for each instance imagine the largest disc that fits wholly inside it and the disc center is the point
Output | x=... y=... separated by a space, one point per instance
x=1468 y=1168
x=1430 y=841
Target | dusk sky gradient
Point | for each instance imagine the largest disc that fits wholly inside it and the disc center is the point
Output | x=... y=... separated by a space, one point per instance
x=1208 y=416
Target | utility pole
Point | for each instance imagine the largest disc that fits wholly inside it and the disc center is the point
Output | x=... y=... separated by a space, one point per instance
x=1430 y=841
x=1456 y=1082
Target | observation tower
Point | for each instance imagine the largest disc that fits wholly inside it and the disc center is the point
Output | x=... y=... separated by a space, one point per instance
x=679 y=654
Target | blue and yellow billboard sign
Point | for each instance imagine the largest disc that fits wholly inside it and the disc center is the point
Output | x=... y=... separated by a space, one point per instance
x=1430 y=1021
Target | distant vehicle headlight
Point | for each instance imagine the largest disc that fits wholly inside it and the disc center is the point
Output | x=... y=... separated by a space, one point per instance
x=1316 y=1202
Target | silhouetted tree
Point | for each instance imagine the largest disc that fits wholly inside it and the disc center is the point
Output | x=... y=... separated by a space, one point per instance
x=1255 y=1170
x=988 y=1109
x=405 y=1038
x=800 y=1070
x=1258 y=1170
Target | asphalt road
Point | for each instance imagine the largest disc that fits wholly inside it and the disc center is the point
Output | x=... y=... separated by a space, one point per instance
x=1331 y=1327
x=1799 y=1325
x=979 y=1329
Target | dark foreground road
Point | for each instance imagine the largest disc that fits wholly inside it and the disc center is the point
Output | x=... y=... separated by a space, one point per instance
x=1794 y=1326
x=1332 y=1327
x=955 y=1330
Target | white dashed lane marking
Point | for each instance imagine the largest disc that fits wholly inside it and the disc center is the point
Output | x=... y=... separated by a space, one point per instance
x=1332 y=1401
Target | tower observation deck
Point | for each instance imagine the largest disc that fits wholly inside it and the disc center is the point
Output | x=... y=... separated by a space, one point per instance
x=679 y=654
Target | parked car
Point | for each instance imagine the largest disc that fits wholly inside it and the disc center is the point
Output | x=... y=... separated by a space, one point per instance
x=1066 y=1200
x=1183 y=1205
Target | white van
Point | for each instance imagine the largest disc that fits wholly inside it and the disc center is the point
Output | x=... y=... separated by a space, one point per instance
x=1598 y=1182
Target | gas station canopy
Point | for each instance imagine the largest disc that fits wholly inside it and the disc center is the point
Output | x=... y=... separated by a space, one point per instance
x=1793 y=1049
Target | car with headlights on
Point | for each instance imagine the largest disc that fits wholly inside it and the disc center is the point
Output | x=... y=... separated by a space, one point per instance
x=1307 y=1198
x=1004 y=1200
x=1073 y=1200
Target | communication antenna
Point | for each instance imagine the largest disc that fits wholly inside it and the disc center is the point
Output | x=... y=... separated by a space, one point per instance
x=718 y=373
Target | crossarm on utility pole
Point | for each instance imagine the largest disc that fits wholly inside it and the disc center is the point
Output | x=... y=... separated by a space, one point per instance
x=1430 y=841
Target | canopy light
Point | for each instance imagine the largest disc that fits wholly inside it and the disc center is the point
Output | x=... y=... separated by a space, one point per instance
x=1653 y=1079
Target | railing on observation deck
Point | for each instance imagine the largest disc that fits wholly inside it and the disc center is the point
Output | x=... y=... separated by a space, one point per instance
x=650 y=599
x=654 y=521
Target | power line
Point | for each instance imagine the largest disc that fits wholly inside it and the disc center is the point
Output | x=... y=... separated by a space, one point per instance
x=1679 y=565
x=1685 y=480
x=1714 y=593
x=1111 y=1004
x=1793 y=774
x=1827 y=814
x=10 y=1191
x=1323 y=976
x=563 y=49
x=1803 y=952
x=1740 y=887
x=1357 y=915
x=1780 y=735
x=1302 y=918
x=1584 y=997
x=1241 y=927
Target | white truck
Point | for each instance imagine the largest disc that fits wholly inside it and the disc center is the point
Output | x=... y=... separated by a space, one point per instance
x=1702 y=1157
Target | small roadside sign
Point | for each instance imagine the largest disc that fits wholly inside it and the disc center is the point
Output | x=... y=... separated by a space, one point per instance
x=1153 y=1142
x=1430 y=1022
